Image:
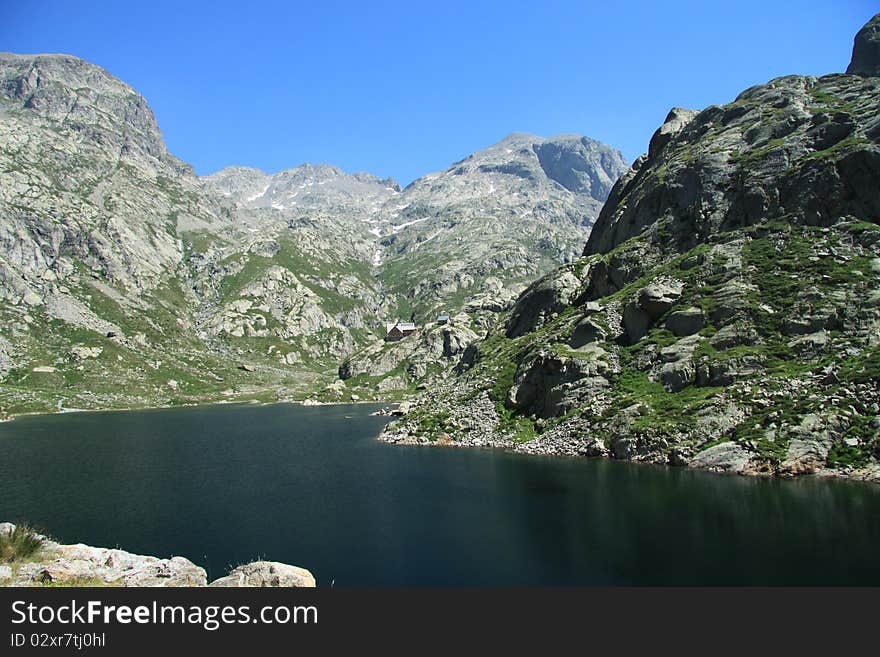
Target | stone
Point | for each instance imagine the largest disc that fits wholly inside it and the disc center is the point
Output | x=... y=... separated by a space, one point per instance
x=724 y=457
x=733 y=335
x=675 y=122
x=80 y=352
x=548 y=295
x=44 y=369
x=267 y=574
x=585 y=332
x=32 y=299
x=402 y=409
x=686 y=322
x=77 y=564
x=866 y=50
x=651 y=302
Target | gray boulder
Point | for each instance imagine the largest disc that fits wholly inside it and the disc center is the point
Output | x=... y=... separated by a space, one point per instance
x=267 y=573
x=686 y=322
x=724 y=457
x=651 y=302
x=586 y=332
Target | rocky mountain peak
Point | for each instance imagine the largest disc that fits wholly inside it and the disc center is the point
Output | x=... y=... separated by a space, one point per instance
x=677 y=119
x=580 y=164
x=82 y=97
x=866 y=50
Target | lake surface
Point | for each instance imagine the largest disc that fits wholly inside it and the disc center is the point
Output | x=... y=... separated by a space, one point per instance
x=223 y=485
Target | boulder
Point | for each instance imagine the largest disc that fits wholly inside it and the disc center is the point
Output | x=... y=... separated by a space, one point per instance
x=650 y=303
x=678 y=370
x=265 y=574
x=724 y=457
x=586 y=332
x=81 y=352
x=808 y=449
x=733 y=335
x=686 y=322
x=550 y=385
x=32 y=299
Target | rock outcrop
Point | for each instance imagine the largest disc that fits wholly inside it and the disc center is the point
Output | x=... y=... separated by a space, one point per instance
x=266 y=573
x=83 y=565
x=866 y=50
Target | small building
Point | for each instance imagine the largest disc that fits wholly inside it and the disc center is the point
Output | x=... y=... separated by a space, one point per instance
x=399 y=330
x=443 y=318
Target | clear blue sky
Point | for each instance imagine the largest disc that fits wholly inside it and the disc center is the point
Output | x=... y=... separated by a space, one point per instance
x=405 y=88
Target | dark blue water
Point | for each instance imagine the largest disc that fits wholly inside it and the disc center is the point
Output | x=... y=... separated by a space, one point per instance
x=223 y=485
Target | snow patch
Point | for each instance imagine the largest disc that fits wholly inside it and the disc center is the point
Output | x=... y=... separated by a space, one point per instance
x=400 y=227
x=258 y=194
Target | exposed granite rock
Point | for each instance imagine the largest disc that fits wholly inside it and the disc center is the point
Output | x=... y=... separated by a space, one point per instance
x=266 y=573
x=686 y=322
x=866 y=50
x=650 y=303
x=726 y=457
x=84 y=565
x=778 y=150
x=541 y=300
x=102 y=229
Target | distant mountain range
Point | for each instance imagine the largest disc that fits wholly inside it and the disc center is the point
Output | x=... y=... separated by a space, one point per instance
x=126 y=280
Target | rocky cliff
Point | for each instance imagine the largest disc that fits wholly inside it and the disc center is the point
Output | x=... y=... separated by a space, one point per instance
x=725 y=313
x=125 y=280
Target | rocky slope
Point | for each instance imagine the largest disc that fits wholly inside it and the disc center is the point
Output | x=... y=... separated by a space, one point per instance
x=92 y=270
x=125 y=280
x=83 y=565
x=725 y=313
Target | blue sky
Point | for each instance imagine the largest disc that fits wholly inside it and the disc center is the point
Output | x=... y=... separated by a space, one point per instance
x=405 y=88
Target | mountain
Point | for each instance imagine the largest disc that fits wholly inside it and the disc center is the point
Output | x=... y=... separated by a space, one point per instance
x=725 y=313
x=90 y=261
x=529 y=199
x=126 y=280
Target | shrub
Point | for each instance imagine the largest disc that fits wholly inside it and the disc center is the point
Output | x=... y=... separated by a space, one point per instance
x=19 y=544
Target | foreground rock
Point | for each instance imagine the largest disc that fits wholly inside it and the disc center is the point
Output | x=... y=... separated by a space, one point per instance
x=267 y=573
x=83 y=565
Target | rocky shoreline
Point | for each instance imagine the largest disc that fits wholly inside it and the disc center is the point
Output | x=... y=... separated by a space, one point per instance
x=476 y=425
x=54 y=564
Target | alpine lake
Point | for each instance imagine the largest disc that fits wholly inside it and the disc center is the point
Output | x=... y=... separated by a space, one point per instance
x=311 y=486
